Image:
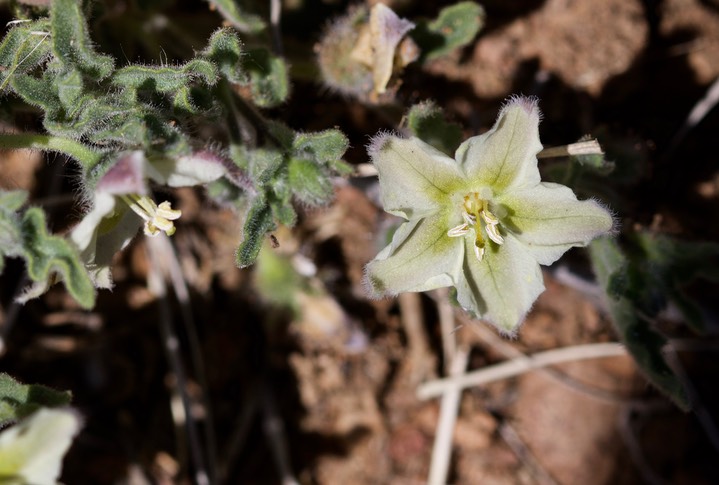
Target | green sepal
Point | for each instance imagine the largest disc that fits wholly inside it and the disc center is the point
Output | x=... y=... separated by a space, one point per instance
x=22 y=49
x=224 y=49
x=308 y=182
x=239 y=18
x=642 y=342
x=258 y=222
x=426 y=121
x=269 y=77
x=454 y=27
x=20 y=400
x=46 y=254
x=71 y=42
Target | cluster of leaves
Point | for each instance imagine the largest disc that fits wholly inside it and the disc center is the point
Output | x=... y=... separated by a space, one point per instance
x=26 y=236
x=96 y=113
x=640 y=280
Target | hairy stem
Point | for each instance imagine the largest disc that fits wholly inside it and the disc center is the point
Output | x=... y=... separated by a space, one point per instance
x=87 y=157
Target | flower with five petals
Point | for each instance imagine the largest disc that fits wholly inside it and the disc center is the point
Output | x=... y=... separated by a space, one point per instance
x=482 y=222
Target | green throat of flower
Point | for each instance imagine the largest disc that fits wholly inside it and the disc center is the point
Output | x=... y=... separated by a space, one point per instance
x=480 y=220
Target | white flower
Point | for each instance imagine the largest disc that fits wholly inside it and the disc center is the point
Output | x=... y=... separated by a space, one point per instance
x=121 y=205
x=482 y=222
x=31 y=451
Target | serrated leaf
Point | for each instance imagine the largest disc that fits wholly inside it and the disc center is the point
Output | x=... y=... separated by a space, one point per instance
x=19 y=400
x=239 y=18
x=454 y=27
x=269 y=78
x=46 y=254
x=642 y=342
x=308 y=182
x=258 y=223
x=71 y=42
x=426 y=121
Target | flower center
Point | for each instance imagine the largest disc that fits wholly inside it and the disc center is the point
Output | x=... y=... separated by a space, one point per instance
x=477 y=218
x=157 y=217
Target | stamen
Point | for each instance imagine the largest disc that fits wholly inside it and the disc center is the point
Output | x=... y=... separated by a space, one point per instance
x=478 y=218
x=157 y=218
x=458 y=231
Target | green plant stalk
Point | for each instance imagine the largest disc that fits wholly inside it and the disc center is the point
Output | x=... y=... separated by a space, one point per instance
x=87 y=157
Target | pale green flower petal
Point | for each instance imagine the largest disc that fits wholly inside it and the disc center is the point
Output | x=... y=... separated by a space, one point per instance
x=502 y=287
x=505 y=156
x=415 y=178
x=31 y=451
x=421 y=257
x=549 y=220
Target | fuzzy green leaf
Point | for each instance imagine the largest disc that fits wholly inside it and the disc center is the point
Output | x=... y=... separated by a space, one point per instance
x=426 y=121
x=664 y=266
x=454 y=27
x=19 y=400
x=225 y=50
x=71 y=42
x=151 y=78
x=239 y=18
x=642 y=342
x=258 y=223
x=308 y=182
x=327 y=147
x=46 y=254
x=269 y=78
x=23 y=48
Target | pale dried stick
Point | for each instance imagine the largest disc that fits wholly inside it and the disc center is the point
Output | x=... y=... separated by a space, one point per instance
x=420 y=357
x=556 y=375
x=171 y=344
x=449 y=407
x=521 y=365
x=171 y=265
x=589 y=147
x=447 y=325
x=243 y=424
x=275 y=431
x=275 y=15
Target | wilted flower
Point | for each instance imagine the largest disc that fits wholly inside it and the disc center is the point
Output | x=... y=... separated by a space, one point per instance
x=482 y=222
